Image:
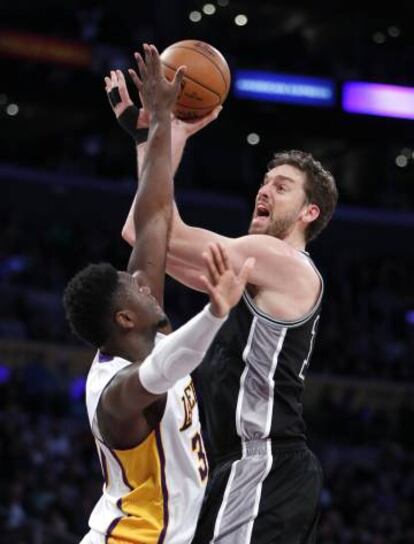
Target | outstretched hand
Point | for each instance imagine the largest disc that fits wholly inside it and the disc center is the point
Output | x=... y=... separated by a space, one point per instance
x=119 y=99
x=157 y=93
x=188 y=128
x=224 y=286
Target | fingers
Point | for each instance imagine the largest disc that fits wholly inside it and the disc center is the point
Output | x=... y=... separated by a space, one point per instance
x=110 y=81
x=123 y=90
x=178 y=79
x=194 y=126
x=246 y=270
x=211 y=266
x=148 y=57
x=108 y=84
x=219 y=258
x=155 y=59
x=137 y=81
x=143 y=72
x=206 y=283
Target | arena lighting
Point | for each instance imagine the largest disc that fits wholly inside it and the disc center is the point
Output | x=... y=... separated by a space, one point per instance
x=195 y=16
x=5 y=373
x=12 y=109
x=209 y=9
x=276 y=87
x=241 y=20
x=378 y=99
x=253 y=138
x=401 y=161
x=409 y=317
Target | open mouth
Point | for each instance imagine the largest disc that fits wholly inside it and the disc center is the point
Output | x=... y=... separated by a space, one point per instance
x=262 y=211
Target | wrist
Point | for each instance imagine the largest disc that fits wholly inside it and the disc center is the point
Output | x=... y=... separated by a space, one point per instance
x=161 y=114
x=217 y=312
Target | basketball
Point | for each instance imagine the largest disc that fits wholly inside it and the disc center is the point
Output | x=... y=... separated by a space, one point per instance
x=207 y=79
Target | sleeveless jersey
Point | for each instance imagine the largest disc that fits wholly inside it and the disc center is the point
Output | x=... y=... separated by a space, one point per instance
x=153 y=492
x=252 y=377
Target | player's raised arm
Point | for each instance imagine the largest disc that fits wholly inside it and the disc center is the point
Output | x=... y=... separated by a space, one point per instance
x=180 y=133
x=152 y=204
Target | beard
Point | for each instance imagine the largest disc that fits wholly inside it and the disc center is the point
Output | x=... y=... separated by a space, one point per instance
x=279 y=227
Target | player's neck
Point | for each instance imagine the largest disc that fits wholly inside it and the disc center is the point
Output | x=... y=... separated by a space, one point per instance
x=296 y=240
x=132 y=347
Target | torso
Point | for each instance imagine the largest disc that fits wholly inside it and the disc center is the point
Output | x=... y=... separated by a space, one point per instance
x=252 y=377
x=154 y=490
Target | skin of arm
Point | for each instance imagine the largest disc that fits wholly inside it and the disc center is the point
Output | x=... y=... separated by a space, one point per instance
x=276 y=262
x=123 y=401
x=123 y=404
x=180 y=132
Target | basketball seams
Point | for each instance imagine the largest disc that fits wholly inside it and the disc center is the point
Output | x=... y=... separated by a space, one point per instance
x=197 y=83
x=226 y=82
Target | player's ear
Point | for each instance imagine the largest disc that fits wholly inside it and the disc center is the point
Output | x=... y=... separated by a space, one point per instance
x=311 y=213
x=124 y=319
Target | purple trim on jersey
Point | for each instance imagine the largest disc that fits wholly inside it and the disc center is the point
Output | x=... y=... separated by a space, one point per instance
x=103 y=358
x=124 y=478
x=163 y=483
x=102 y=459
x=111 y=528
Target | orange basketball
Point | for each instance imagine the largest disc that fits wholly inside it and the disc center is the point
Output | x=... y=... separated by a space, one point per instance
x=207 y=79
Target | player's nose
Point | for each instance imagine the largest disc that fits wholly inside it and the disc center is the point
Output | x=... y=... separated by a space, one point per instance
x=263 y=193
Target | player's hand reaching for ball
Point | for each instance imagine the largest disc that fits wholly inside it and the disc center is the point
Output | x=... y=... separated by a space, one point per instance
x=128 y=115
x=186 y=129
x=223 y=285
x=158 y=95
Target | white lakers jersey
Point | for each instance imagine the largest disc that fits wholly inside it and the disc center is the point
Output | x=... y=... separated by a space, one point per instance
x=152 y=493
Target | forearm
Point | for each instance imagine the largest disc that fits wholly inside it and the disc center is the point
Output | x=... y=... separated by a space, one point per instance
x=185 y=274
x=179 y=353
x=178 y=141
x=186 y=243
x=155 y=190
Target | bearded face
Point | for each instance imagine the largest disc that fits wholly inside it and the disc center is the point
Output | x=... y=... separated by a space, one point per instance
x=279 y=202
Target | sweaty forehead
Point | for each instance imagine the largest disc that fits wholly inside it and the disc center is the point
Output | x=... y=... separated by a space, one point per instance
x=285 y=171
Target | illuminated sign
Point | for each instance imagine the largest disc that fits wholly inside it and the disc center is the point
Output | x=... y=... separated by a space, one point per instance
x=291 y=89
x=378 y=99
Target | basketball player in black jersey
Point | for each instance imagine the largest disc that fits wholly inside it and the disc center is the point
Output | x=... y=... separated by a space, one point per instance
x=265 y=484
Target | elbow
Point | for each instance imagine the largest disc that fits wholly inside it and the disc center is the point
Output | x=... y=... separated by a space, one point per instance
x=128 y=234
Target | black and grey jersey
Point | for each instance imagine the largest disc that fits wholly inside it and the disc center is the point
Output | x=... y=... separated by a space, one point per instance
x=251 y=379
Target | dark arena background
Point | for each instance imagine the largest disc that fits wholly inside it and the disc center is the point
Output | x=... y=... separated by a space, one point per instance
x=334 y=79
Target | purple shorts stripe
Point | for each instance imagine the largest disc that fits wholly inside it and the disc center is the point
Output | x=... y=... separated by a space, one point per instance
x=163 y=484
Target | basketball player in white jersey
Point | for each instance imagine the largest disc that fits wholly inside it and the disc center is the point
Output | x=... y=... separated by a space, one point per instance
x=140 y=399
x=266 y=482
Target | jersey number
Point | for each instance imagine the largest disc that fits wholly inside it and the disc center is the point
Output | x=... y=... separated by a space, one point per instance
x=197 y=446
x=312 y=341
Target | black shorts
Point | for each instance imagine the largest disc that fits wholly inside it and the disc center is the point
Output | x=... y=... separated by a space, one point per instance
x=269 y=496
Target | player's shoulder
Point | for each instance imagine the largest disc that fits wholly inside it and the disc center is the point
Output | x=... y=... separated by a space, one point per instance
x=267 y=248
x=103 y=368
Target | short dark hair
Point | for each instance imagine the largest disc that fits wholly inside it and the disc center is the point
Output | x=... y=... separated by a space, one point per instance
x=320 y=187
x=88 y=301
